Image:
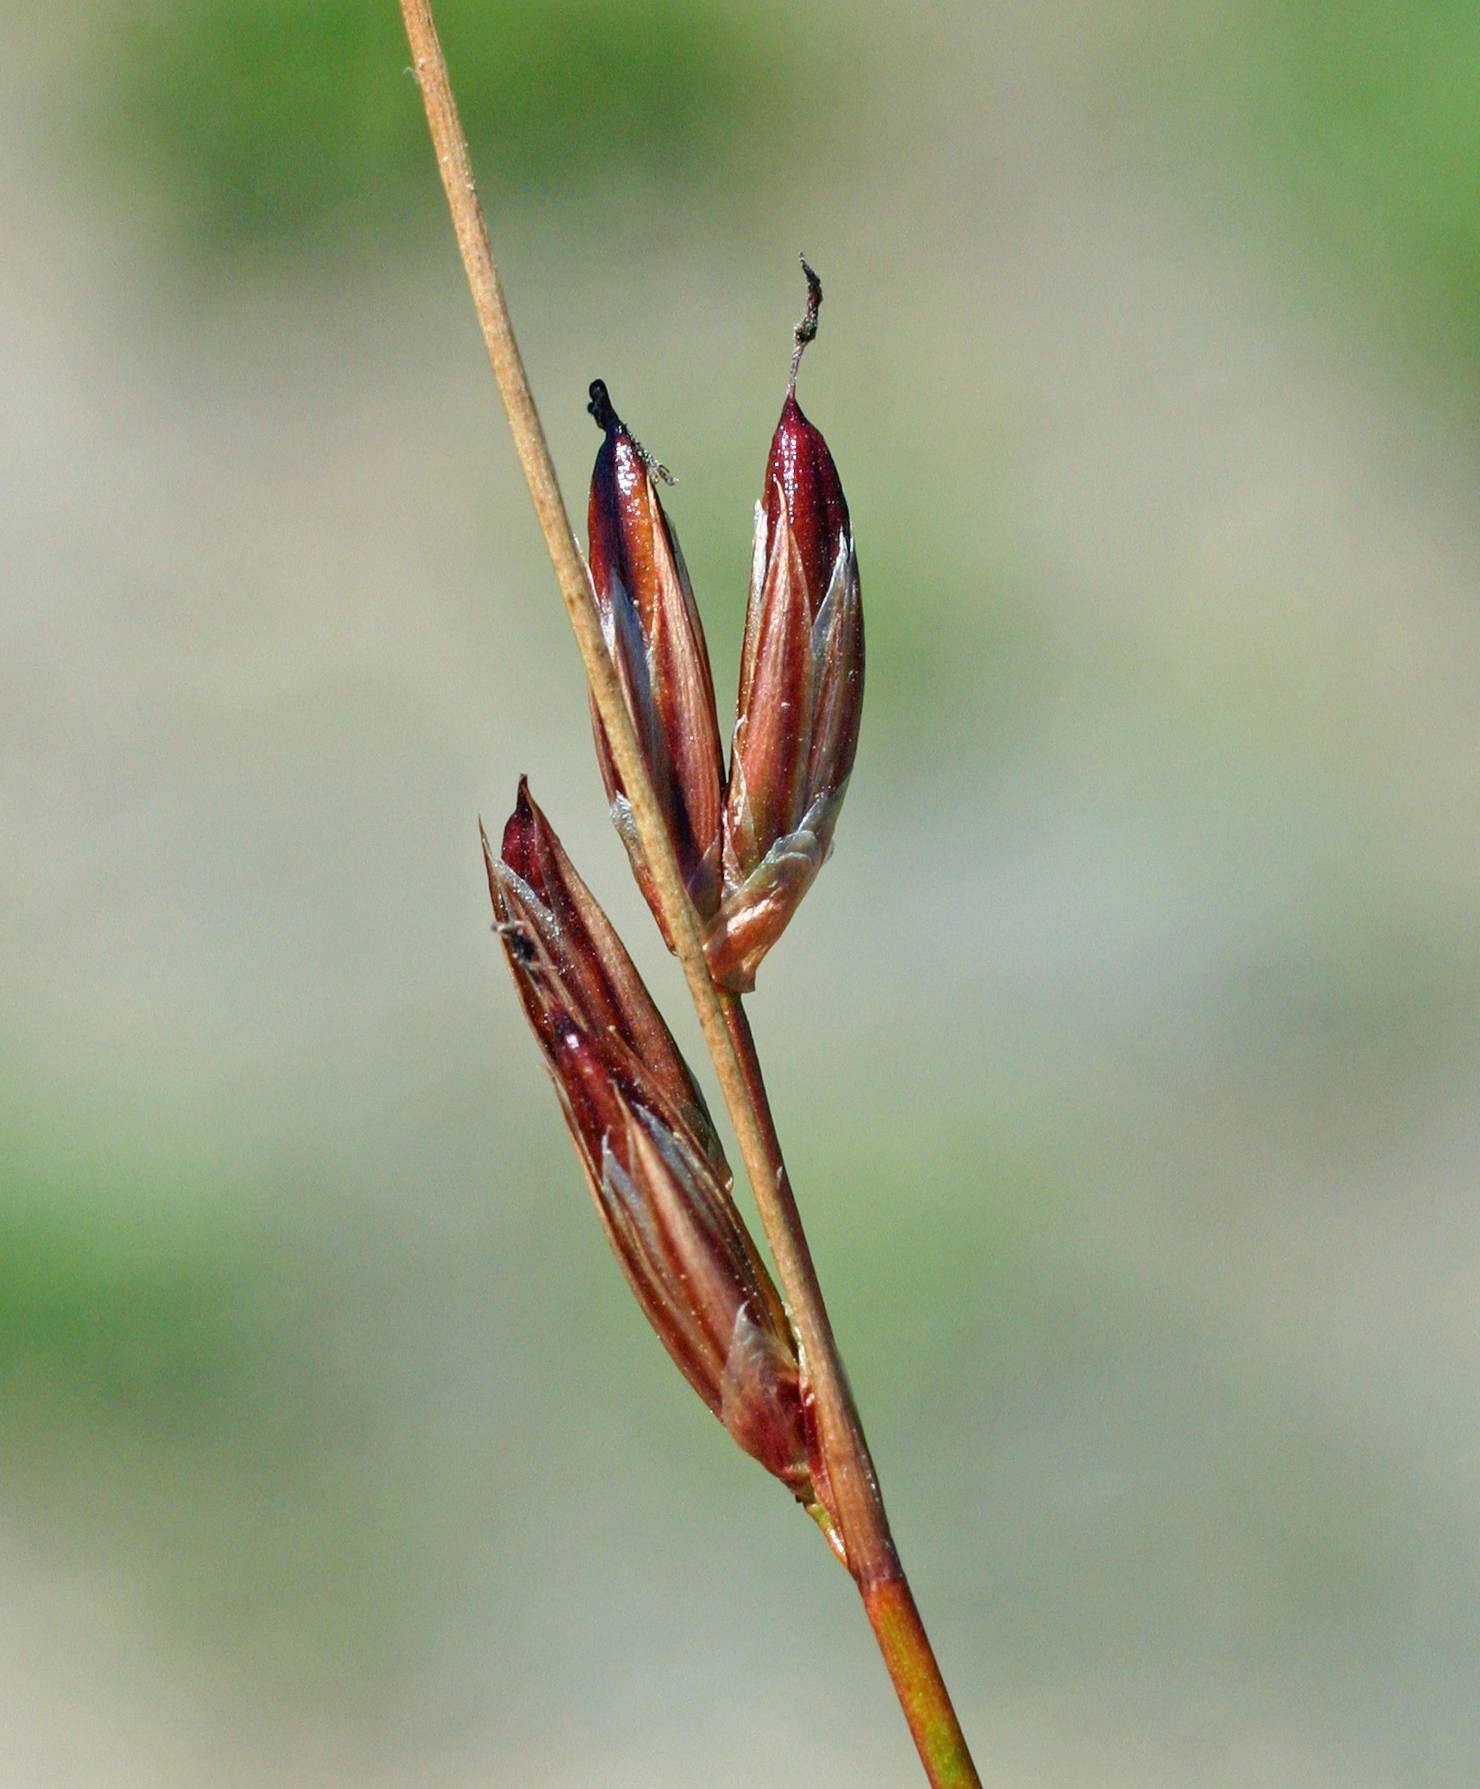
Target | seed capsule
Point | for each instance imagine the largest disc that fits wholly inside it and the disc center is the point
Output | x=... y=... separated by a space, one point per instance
x=801 y=691
x=651 y=1158
x=656 y=642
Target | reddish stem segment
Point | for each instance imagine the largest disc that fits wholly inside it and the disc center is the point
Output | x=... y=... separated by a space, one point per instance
x=919 y=1685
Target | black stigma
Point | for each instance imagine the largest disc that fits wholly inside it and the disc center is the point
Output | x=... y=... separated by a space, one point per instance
x=521 y=945
x=600 y=407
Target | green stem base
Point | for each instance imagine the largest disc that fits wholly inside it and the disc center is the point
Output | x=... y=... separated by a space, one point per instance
x=919 y=1685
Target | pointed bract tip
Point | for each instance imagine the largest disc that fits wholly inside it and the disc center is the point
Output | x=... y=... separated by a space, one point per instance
x=517 y=846
x=491 y=867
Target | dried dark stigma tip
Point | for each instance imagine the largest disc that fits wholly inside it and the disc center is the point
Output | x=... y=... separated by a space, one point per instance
x=806 y=330
x=600 y=407
x=612 y=425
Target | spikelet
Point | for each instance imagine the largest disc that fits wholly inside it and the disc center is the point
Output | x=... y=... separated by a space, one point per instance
x=653 y=1163
x=801 y=691
x=656 y=641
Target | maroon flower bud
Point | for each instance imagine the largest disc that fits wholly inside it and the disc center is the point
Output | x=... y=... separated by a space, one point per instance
x=655 y=1168
x=656 y=642
x=675 y=1231
x=801 y=690
x=575 y=964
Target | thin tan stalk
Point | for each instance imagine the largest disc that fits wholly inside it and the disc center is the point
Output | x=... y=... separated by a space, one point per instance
x=726 y=1033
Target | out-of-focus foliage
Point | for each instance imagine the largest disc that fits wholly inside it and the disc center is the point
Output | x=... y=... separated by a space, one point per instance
x=113 y=1307
x=164 y=1393
x=281 y=120
x=1360 y=123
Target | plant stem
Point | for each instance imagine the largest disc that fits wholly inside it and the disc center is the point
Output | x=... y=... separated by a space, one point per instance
x=919 y=1685
x=858 y=1506
x=852 y=1490
x=872 y=1558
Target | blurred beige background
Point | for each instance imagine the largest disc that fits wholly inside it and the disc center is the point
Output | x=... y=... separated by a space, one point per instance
x=1126 y=1052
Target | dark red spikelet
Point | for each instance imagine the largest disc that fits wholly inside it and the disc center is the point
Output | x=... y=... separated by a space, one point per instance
x=656 y=641
x=801 y=691
x=651 y=1158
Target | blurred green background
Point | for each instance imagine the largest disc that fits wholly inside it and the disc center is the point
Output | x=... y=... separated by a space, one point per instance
x=1126 y=1053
